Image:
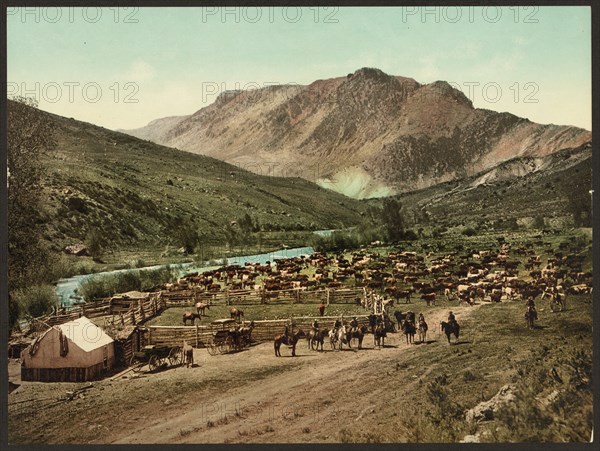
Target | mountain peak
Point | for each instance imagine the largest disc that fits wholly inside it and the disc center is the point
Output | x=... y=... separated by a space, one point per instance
x=363 y=134
x=370 y=72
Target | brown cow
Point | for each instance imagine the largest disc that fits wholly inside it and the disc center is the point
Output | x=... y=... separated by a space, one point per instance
x=429 y=298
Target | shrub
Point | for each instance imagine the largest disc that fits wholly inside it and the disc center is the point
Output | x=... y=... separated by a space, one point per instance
x=469 y=231
x=36 y=300
x=102 y=286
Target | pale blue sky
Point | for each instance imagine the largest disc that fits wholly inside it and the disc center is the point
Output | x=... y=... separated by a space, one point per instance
x=180 y=58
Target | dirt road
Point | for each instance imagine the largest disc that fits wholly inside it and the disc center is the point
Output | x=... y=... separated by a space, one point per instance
x=251 y=396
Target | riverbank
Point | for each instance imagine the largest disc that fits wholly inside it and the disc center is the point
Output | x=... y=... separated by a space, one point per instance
x=69 y=289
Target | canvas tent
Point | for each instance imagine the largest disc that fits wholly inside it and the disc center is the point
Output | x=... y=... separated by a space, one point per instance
x=71 y=352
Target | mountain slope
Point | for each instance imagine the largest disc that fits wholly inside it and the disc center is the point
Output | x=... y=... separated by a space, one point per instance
x=553 y=189
x=367 y=134
x=136 y=192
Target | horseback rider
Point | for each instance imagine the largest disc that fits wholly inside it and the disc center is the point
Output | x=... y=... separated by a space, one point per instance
x=337 y=324
x=451 y=318
x=530 y=304
x=315 y=326
x=354 y=324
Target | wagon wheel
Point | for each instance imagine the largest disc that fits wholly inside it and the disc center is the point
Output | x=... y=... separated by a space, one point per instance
x=226 y=345
x=153 y=363
x=135 y=365
x=212 y=348
x=175 y=356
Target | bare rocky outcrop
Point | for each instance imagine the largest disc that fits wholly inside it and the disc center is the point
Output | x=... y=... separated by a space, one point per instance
x=485 y=410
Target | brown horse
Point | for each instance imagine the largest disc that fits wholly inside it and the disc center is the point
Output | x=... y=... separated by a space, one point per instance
x=190 y=316
x=316 y=338
x=289 y=341
x=359 y=334
x=409 y=329
x=188 y=354
x=236 y=313
x=201 y=306
x=450 y=328
x=379 y=334
x=530 y=317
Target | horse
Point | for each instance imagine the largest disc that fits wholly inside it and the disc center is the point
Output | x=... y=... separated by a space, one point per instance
x=400 y=317
x=530 y=317
x=291 y=342
x=449 y=329
x=245 y=332
x=342 y=337
x=188 y=354
x=317 y=338
x=359 y=334
x=422 y=329
x=409 y=329
x=333 y=337
x=190 y=316
x=201 y=306
x=235 y=313
x=379 y=335
x=558 y=299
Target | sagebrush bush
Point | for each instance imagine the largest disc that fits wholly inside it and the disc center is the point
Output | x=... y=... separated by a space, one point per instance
x=36 y=300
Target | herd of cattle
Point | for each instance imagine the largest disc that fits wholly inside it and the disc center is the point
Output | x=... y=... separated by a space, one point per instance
x=463 y=275
x=467 y=275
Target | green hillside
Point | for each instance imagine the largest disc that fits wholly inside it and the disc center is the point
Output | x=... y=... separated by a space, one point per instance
x=136 y=195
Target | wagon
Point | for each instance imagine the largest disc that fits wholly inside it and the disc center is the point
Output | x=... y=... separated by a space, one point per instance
x=226 y=340
x=155 y=356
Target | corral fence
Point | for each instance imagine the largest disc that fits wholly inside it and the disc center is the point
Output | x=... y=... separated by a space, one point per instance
x=255 y=297
x=264 y=330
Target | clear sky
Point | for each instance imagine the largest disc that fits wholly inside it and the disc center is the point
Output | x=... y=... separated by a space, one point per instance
x=121 y=68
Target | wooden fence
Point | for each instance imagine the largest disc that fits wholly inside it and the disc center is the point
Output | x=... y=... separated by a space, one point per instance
x=254 y=297
x=264 y=330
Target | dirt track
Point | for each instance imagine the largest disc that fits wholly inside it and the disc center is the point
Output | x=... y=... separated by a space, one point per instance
x=251 y=396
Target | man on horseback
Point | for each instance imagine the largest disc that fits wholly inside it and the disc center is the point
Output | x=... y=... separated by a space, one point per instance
x=354 y=325
x=530 y=304
x=451 y=318
x=315 y=326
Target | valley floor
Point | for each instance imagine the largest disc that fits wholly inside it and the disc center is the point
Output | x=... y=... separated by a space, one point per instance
x=368 y=395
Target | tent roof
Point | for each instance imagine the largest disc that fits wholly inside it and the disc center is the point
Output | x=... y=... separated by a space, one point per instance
x=85 y=334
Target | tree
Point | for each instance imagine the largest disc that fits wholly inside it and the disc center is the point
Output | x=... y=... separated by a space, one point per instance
x=30 y=136
x=579 y=205
x=186 y=235
x=393 y=221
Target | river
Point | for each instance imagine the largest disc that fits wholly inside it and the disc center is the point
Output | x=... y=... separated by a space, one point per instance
x=67 y=289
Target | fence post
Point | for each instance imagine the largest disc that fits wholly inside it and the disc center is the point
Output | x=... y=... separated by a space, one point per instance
x=149 y=335
x=327 y=291
x=197 y=335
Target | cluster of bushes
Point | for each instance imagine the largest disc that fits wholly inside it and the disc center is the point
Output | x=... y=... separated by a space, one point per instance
x=102 y=286
x=353 y=239
x=34 y=300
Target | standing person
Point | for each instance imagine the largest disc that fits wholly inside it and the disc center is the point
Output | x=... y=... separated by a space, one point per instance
x=322 y=308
